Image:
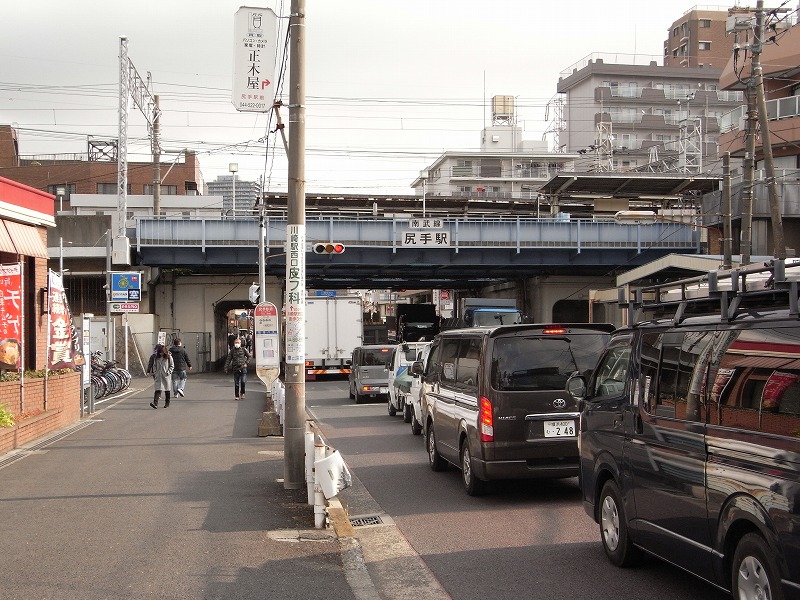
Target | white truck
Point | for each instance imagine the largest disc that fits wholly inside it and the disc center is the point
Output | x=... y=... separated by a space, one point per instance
x=477 y=312
x=334 y=328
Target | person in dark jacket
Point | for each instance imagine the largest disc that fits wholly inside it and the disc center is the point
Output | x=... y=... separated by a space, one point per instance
x=237 y=362
x=182 y=364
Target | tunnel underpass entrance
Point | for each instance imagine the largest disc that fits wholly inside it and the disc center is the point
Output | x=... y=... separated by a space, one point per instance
x=232 y=318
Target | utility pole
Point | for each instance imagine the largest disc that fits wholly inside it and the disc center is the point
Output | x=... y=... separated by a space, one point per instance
x=294 y=425
x=748 y=168
x=779 y=244
x=727 y=225
x=156 y=147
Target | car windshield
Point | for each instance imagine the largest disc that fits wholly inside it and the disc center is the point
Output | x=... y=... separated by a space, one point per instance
x=543 y=363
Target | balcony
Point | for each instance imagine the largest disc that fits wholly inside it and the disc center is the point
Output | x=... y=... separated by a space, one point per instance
x=783 y=115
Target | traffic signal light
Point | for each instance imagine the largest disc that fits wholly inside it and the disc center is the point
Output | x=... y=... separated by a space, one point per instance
x=329 y=248
x=255 y=293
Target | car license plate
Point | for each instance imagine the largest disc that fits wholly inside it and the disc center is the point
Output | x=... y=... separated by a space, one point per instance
x=383 y=390
x=559 y=428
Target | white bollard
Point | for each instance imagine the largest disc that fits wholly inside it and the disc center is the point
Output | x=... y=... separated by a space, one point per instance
x=310 y=465
x=319 y=497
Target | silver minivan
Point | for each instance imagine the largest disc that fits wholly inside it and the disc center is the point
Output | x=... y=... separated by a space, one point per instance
x=369 y=378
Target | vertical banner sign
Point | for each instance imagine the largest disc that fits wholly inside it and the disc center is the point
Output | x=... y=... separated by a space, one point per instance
x=10 y=315
x=295 y=294
x=255 y=51
x=63 y=351
x=267 y=342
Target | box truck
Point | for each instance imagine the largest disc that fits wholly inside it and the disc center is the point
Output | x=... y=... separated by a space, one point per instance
x=334 y=328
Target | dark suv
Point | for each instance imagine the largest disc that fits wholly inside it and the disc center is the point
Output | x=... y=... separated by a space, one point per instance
x=690 y=433
x=494 y=400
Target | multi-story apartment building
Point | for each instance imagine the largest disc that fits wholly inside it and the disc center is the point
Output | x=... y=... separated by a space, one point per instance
x=92 y=172
x=245 y=197
x=505 y=167
x=623 y=116
x=699 y=39
x=781 y=76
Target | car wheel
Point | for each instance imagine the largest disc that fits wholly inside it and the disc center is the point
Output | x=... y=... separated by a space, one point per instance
x=406 y=412
x=473 y=485
x=359 y=398
x=755 y=574
x=391 y=408
x=416 y=426
x=614 y=528
x=435 y=460
x=350 y=393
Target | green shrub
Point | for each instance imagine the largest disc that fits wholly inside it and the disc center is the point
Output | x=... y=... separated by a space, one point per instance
x=6 y=418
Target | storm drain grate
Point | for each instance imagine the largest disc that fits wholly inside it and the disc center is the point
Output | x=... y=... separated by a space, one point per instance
x=368 y=520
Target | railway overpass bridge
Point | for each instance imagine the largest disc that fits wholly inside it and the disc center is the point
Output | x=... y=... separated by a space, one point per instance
x=402 y=251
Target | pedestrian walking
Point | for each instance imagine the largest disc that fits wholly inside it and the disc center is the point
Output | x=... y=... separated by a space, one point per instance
x=160 y=367
x=182 y=364
x=237 y=361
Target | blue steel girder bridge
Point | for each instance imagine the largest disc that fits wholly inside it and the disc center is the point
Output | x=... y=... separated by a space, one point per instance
x=387 y=252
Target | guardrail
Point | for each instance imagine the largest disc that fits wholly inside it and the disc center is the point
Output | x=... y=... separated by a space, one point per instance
x=325 y=470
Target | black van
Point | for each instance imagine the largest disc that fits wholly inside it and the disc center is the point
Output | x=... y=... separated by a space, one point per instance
x=690 y=432
x=494 y=400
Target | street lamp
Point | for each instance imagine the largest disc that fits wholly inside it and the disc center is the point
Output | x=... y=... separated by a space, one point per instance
x=60 y=191
x=233 y=167
x=423 y=175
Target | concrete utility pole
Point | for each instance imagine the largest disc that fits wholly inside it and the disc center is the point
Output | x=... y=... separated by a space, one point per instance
x=727 y=225
x=748 y=168
x=156 y=147
x=779 y=243
x=294 y=426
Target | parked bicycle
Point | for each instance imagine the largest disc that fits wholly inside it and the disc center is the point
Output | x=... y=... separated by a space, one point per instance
x=107 y=378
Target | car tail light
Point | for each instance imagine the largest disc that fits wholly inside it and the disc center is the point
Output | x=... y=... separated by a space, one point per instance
x=486 y=420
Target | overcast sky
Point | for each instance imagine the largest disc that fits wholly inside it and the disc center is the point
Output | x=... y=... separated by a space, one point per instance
x=391 y=84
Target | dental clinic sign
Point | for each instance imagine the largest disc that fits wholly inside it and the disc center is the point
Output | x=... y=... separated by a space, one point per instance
x=255 y=51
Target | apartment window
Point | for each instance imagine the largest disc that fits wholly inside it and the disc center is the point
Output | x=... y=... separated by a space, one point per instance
x=705 y=23
x=464 y=188
x=675 y=32
x=171 y=190
x=704 y=46
x=110 y=188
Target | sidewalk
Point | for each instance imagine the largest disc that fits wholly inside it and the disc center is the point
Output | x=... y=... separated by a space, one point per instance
x=186 y=502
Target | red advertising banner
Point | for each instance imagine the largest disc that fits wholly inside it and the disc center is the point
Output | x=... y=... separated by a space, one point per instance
x=10 y=315
x=63 y=351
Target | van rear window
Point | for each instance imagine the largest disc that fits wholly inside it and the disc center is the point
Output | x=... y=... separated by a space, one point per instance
x=371 y=358
x=543 y=363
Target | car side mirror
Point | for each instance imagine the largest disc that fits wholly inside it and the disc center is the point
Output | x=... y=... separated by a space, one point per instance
x=576 y=386
x=416 y=368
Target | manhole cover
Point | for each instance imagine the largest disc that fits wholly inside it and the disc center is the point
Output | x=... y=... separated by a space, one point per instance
x=369 y=520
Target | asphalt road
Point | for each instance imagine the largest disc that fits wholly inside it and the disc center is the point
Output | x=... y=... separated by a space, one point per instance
x=526 y=539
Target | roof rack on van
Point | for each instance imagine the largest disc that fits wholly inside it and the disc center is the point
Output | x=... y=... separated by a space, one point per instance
x=725 y=292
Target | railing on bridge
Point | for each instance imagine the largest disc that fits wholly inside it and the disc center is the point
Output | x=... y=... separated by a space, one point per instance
x=388 y=232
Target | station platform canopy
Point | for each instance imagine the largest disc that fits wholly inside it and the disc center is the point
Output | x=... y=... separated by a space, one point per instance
x=643 y=186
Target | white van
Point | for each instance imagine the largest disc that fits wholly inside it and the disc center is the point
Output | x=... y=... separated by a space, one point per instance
x=399 y=377
x=413 y=403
